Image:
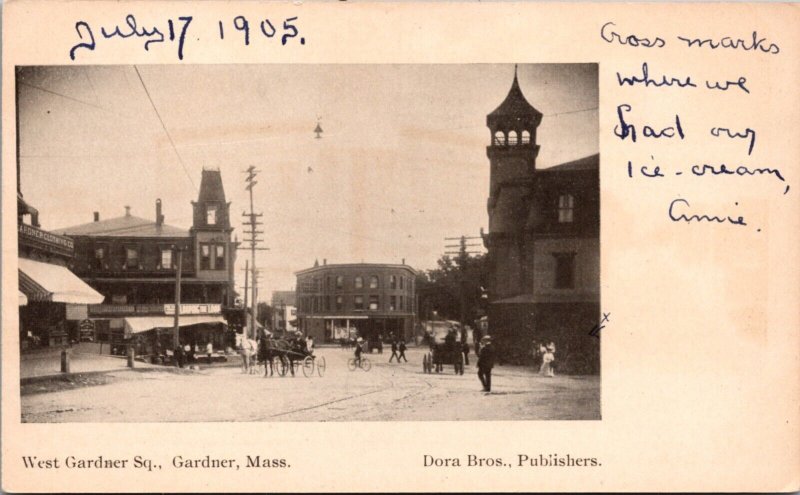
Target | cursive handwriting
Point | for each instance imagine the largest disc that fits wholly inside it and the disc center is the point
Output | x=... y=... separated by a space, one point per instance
x=610 y=36
x=757 y=44
x=717 y=132
x=132 y=29
x=648 y=81
x=741 y=170
x=701 y=218
x=623 y=130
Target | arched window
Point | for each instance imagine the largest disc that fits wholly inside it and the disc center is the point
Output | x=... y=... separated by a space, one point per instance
x=373 y=282
x=526 y=137
x=359 y=283
x=339 y=282
x=512 y=138
x=499 y=138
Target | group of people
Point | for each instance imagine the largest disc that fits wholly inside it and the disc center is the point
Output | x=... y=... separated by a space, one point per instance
x=261 y=352
x=398 y=350
x=189 y=354
x=547 y=354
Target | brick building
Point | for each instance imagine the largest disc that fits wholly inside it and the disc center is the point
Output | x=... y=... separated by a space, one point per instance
x=543 y=241
x=132 y=261
x=370 y=300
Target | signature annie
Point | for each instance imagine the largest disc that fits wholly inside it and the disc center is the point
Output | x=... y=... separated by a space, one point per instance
x=676 y=216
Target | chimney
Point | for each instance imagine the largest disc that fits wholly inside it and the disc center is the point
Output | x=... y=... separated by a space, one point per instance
x=324 y=261
x=127 y=211
x=97 y=216
x=159 y=216
x=403 y=262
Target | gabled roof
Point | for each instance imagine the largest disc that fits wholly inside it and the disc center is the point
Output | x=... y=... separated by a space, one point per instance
x=126 y=226
x=515 y=104
x=590 y=162
x=211 y=187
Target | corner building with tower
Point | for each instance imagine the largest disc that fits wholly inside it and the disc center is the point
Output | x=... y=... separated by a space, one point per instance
x=543 y=243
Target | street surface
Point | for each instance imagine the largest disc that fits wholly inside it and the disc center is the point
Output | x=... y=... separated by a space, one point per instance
x=388 y=392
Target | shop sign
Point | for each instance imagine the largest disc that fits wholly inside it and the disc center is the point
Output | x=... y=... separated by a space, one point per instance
x=194 y=309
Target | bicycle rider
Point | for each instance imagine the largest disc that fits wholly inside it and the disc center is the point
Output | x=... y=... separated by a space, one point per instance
x=358 y=352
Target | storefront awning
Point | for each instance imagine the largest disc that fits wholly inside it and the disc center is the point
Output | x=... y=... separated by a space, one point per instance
x=23 y=299
x=41 y=281
x=140 y=324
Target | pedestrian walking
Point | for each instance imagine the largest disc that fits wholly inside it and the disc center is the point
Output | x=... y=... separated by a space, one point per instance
x=394 y=351
x=548 y=357
x=179 y=356
x=246 y=350
x=402 y=348
x=209 y=350
x=486 y=363
x=465 y=350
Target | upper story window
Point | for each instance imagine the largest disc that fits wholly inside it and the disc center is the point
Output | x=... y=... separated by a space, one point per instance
x=374 y=302
x=373 y=282
x=566 y=208
x=219 y=259
x=205 y=257
x=565 y=270
x=328 y=282
x=339 y=282
x=499 y=138
x=392 y=303
x=99 y=257
x=339 y=303
x=131 y=258
x=359 y=283
x=392 y=282
x=512 y=137
x=402 y=282
x=358 y=302
x=166 y=259
x=526 y=137
x=211 y=214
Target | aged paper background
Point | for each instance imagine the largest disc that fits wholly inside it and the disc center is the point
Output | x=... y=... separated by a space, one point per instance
x=700 y=367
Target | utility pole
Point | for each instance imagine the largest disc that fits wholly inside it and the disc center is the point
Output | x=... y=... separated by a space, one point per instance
x=246 y=293
x=462 y=256
x=176 y=321
x=253 y=240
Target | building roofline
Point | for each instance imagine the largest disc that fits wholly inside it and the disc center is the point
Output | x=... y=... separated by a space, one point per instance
x=355 y=265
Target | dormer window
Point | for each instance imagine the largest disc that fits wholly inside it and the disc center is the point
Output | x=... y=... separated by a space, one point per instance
x=211 y=215
x=566 y=208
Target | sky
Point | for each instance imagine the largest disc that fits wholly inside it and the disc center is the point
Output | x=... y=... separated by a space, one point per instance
x=401 y=165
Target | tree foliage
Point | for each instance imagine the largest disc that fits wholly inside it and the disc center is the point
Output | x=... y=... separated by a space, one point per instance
x=441 y=289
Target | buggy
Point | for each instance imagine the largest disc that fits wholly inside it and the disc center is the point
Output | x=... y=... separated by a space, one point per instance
x=445 y=347
x=285 y=355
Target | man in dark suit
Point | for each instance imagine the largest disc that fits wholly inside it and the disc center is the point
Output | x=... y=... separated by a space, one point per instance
x=486 y=363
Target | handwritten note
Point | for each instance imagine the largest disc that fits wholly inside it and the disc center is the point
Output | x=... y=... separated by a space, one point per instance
x=637 y=128
x=177 y=31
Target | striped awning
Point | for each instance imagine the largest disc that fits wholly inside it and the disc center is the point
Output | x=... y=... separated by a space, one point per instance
x=40 y=281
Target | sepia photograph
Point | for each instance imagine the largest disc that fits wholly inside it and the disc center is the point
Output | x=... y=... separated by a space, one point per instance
x=308 y=242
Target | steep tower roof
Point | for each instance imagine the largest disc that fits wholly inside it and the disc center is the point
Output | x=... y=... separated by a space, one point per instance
x=514 y=107
x=211 y=187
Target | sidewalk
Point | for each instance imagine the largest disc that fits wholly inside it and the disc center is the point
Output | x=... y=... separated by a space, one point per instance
x=47 y=362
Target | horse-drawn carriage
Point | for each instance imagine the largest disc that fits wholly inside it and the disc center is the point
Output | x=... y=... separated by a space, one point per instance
x=287 y=354
x=445 y=347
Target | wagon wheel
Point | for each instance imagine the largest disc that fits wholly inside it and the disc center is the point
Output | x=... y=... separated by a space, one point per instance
x=321 y=365
x=351 y=364
x=283 y=366
x=308 y=366
x=366 y=364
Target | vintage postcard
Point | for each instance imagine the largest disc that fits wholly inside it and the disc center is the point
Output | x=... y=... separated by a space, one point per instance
x=415 y=246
